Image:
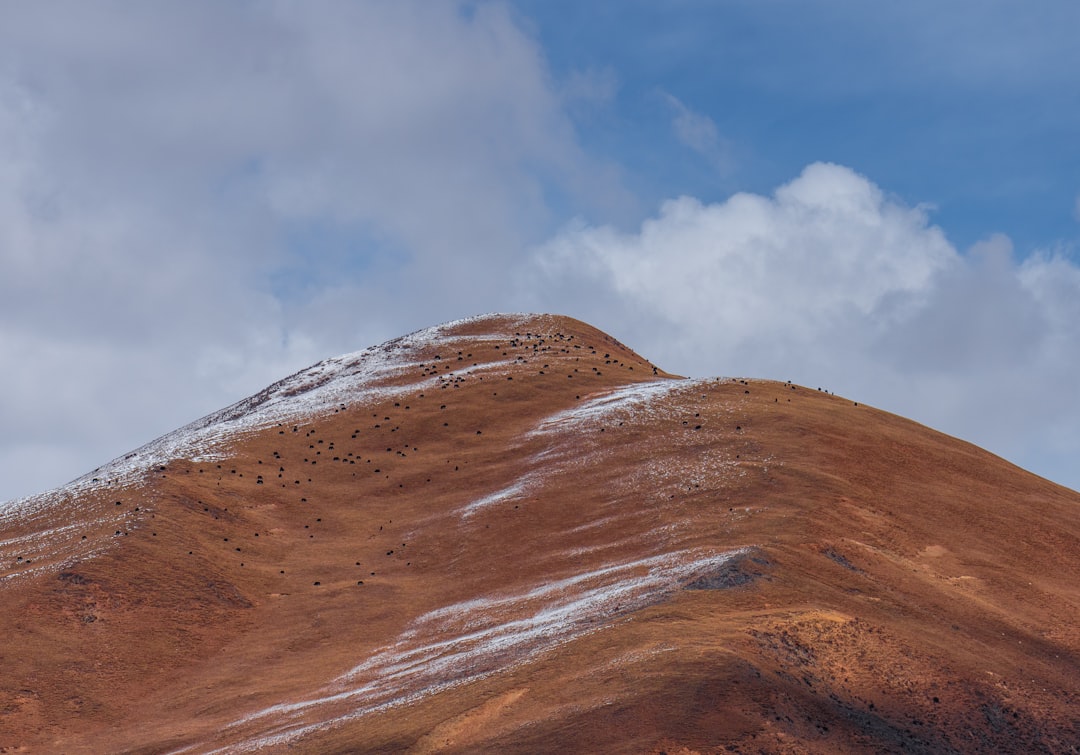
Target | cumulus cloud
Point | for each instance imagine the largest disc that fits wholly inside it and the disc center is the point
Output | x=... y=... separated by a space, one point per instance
x=831 y=282
x=198 y=198
x=827 y=250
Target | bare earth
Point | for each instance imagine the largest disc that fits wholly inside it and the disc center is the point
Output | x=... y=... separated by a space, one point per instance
x=513 y=534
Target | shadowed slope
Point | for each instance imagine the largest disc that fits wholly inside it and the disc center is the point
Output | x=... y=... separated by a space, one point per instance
x=514 y=534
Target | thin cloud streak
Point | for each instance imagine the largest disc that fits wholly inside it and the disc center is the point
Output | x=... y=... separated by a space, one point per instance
x=699 y=132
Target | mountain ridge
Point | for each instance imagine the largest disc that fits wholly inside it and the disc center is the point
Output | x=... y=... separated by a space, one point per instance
x=514 y=534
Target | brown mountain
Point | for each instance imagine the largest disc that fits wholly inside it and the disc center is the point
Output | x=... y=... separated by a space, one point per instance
x=514 y=534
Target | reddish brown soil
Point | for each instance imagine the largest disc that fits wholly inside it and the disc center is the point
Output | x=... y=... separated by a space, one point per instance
x=898 y=590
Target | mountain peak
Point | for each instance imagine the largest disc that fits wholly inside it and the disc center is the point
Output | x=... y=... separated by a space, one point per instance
x=512 y=533
x=392 y=368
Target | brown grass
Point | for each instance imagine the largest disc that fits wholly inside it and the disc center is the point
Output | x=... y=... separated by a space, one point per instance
x=901 y=590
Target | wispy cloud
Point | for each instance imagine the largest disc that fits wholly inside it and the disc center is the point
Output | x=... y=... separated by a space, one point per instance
x=699 y=132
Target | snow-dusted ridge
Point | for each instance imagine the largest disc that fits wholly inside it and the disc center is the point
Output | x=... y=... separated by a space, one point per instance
x=366 y=375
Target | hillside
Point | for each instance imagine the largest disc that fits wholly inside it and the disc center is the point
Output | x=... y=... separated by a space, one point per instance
x=514 y=534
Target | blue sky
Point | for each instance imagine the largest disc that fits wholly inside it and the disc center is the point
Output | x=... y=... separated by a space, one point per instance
x=971 y=107
x=198 y=198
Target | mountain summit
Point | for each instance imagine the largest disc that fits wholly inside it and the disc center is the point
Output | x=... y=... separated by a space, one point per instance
x=514 y=534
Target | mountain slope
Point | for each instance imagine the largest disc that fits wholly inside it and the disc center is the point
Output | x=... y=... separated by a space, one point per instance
x=512 y=533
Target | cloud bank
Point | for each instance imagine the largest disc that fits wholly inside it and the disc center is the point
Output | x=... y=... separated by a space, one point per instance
x=199 y=198
x=832 y=283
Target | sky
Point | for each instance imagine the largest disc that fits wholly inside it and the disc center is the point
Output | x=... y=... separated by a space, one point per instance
x=198 y=198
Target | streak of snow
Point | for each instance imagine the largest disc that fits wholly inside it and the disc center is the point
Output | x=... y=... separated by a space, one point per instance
x=43 y=550
x=632 y=398
x=470 y=640
x=682 y=463
x=512 y=492
x=36 y=538
x=638 y=400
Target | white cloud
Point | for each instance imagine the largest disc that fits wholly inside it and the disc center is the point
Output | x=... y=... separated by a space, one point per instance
x=831 y=283
x=827 y=249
